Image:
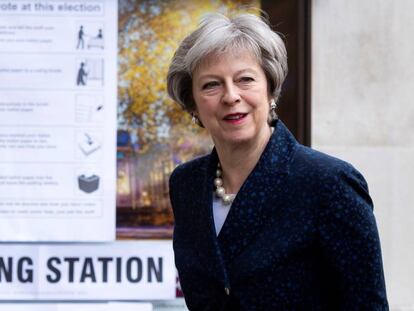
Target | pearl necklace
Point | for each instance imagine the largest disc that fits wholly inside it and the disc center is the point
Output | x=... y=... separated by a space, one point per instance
x=220 y=191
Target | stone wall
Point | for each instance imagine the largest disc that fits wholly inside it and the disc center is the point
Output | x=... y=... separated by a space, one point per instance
x=363 y=112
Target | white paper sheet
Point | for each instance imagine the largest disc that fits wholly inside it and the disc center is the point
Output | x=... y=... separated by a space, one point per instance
x=58 y=88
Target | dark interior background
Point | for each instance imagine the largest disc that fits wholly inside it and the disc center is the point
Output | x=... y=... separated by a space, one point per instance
x=291 y=18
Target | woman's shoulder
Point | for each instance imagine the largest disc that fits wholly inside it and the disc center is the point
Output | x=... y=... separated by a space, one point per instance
x=325 y=171
x=320 y=162
x=334 y=177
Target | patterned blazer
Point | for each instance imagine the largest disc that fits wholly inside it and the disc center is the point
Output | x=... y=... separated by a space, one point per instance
x=300 y=235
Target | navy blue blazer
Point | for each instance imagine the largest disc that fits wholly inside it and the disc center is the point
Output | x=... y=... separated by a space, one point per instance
x=300 y=235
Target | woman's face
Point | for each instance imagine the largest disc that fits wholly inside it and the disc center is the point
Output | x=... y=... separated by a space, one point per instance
x=231 y=95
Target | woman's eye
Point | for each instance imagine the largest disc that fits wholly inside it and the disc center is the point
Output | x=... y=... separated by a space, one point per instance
x=246 y=79
x=210 y=85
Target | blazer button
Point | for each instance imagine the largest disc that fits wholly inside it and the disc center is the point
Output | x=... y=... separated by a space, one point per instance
x=227 y=291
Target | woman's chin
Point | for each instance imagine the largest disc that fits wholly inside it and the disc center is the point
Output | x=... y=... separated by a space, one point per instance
x=235 y=139
x=242 y=136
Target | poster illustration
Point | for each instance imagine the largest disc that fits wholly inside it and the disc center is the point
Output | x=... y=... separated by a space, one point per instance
x=58 y=101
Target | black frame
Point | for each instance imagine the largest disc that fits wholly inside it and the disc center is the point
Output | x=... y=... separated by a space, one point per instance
x=292 y=18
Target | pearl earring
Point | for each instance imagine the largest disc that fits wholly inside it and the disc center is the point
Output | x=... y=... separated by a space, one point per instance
x=272 y=104
x=193 y=118
x=272 y=113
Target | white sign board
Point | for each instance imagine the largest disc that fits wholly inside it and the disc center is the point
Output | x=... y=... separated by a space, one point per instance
x=114 y=271
x=76 y=306
x=58 y=103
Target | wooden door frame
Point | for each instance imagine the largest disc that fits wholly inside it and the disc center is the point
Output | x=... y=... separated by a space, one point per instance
x=292 y=18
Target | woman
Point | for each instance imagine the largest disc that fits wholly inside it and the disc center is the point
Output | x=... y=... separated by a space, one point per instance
x=263 y=223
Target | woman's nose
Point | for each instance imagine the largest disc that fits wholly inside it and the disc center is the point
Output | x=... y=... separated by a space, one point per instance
x=231 y=94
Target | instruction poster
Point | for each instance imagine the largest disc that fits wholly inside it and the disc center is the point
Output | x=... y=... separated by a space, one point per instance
x=58 y=97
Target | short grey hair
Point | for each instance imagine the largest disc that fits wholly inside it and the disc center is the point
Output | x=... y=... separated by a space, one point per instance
x=217 y=33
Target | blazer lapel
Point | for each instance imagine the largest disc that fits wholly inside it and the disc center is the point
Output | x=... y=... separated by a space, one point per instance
x=256 y=197
x=208 y=245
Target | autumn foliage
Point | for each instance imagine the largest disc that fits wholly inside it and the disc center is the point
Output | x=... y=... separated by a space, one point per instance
x=149 y=33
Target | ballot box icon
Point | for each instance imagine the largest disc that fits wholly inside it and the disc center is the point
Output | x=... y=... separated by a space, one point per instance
x=88 y=184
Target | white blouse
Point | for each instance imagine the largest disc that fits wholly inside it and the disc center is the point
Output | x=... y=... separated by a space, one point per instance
x=220 y=212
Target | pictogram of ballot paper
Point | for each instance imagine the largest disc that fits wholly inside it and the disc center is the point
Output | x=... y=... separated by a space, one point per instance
x=88 y=144
x=89 y=108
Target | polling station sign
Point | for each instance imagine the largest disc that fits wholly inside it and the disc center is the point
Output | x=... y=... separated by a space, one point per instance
x=127 y=270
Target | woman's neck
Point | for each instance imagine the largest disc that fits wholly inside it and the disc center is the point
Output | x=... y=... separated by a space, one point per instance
x=237 y=161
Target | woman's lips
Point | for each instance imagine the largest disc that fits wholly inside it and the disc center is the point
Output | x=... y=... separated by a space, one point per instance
x=235 y=118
